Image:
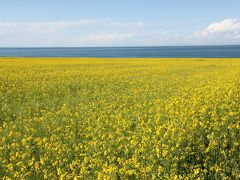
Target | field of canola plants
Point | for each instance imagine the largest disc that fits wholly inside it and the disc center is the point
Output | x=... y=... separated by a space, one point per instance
x=81 y=118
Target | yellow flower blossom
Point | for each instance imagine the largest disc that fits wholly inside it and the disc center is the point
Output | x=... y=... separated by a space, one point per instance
x=91 y=118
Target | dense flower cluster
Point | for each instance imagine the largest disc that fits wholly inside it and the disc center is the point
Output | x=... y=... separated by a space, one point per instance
x=119 y=118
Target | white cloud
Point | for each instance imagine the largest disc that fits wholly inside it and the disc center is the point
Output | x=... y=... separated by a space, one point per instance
x=227 y=28
x=42 y=27
x=108 y=37
x=237 y=36
x=50 y=27
x=127 y=24
x=99 y=39
x=102 y=32
x=83 y=32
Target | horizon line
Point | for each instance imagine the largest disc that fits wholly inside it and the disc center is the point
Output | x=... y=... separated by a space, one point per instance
x=2 y=47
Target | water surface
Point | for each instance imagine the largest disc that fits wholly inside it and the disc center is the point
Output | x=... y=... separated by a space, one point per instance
x=161 y=51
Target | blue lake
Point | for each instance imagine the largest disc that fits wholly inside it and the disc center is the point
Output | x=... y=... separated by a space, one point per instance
x=157 y=51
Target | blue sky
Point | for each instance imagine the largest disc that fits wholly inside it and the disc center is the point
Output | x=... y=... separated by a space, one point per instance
x=118 y=23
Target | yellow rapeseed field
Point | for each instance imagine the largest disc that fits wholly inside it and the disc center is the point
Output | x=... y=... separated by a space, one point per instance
x=89 y=118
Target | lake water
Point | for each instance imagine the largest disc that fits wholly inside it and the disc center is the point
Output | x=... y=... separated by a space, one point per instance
x=161 y=51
